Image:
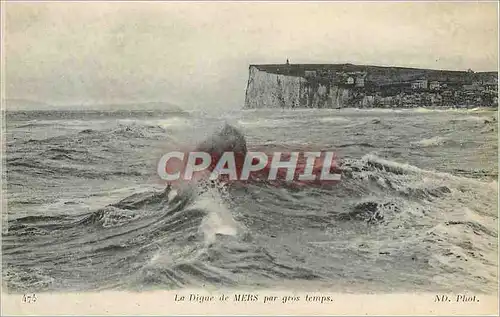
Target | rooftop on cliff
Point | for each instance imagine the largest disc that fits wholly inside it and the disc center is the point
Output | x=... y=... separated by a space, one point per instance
x=381 y=74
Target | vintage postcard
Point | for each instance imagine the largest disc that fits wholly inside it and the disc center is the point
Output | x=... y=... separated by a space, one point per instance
x=249 y=158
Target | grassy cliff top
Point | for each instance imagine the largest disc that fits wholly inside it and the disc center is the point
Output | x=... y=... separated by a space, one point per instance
x=380 y=74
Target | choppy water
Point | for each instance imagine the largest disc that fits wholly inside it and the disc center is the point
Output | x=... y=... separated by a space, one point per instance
x=416 y=209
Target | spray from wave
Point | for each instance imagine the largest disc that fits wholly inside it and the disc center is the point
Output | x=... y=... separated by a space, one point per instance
x=386 y=226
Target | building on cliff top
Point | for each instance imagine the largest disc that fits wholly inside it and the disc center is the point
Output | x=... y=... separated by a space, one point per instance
x=419 y=84
x=346 y=85
x=434 y=85
x=310 y=73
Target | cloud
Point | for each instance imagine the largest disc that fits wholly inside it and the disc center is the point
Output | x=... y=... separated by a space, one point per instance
x=197 y=54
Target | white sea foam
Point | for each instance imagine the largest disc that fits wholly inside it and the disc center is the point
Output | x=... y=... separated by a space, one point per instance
x=218 y=219
x=335 y=119
x=268 y=122
x=434 y=141
x=170 y=122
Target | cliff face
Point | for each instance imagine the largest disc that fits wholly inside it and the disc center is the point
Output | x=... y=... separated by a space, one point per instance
x=272 y=90
x=347 y=85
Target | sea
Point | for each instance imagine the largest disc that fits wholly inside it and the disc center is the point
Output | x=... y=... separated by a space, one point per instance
x=416 y=209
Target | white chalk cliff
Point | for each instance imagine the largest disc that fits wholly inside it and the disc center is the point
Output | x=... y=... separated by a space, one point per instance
x=271 y=90
x=364 y=86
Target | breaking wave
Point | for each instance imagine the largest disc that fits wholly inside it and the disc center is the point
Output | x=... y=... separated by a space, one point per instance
x=386 y=226
x=199 y=236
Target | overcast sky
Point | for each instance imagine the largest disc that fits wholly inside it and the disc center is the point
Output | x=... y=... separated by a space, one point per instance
x=197 y=54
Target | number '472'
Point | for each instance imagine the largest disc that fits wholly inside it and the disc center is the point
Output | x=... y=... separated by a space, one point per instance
x=29 y=298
